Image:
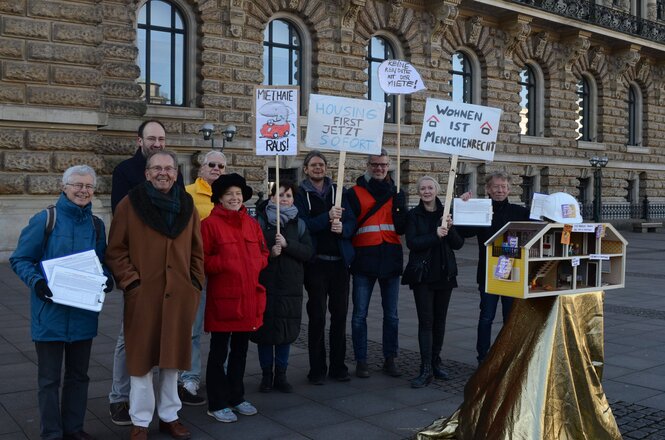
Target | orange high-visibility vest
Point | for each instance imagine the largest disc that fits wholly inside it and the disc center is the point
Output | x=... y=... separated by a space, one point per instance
x=379 y=227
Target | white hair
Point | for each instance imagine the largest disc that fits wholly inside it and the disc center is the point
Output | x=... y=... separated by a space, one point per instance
x=79 y=170
x=210 y=154
x=436 y=184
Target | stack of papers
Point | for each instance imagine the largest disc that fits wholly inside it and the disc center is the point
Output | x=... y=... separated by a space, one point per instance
x=76 y=280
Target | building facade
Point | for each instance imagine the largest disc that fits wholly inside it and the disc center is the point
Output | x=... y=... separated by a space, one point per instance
x=575 y=80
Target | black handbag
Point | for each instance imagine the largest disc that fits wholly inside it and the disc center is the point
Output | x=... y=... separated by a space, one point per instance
x=416 y=272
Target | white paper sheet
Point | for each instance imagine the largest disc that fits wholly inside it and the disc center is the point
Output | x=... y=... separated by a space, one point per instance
x=537 y=206
x=76 y=288
x=76 y=280
x=86 y=261
x=473 y=212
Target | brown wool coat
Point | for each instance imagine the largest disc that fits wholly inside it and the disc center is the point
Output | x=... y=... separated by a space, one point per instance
x=159 y=313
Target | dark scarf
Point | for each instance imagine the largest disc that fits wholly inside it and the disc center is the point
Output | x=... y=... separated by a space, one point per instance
x=285 y=214
x=168 y=214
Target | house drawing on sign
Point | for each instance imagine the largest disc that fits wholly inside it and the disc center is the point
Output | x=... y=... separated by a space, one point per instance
x=486 y=128
x=432 y=121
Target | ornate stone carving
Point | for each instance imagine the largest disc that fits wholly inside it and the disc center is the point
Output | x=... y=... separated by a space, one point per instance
x=443 y=16
x=236 y=17
x=396 y=11
x=474 y=26
x=619 y=64
x=294 y=4
x=516 y=32
x=348 y=23
x=540 y=43
x=596 y=56
x=643 y=69
x=574 y=48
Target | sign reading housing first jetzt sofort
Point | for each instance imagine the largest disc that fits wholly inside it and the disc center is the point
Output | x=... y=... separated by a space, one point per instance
x=460 y=129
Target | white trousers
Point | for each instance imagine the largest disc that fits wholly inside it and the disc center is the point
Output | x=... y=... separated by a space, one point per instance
x=142 y=398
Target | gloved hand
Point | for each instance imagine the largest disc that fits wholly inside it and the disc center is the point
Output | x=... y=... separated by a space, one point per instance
x=399 y=200
x=43 y=292
x=109 y=284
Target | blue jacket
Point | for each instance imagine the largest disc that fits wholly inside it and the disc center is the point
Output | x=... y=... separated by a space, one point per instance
x=74 y=231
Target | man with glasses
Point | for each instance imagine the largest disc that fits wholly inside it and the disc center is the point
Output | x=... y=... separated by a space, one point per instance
x=327 y=274
x=381 y=213
x=213 y=166
x=127 y=175
x=497 y=187
x=155 y=252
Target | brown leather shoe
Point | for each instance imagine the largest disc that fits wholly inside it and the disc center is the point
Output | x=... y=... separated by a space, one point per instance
x=175 y=429
x=138 y=433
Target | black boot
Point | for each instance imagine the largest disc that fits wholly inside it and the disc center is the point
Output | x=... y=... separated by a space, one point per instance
x=437 y=369
x=266 y=380
x=390 y=368
x=280 y=382
x=425 y=377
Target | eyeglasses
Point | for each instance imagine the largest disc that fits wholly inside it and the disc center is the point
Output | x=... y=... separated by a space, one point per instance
x=154 y=139
x=378 y=165
x=80 y=186
x=221 y=166
x=158 y=169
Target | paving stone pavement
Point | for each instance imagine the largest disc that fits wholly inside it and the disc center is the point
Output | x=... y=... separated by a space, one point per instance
x=380 y=407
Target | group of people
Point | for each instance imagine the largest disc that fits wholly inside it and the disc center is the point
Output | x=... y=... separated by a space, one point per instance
x=190 y=259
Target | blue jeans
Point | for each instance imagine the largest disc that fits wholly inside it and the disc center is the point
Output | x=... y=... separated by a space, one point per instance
x=278 y=353
x=120 y=386
x=362 y=293
x=194 y=374
x=488 y=305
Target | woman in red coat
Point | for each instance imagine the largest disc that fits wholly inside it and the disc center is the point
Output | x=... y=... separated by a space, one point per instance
x=234 y=254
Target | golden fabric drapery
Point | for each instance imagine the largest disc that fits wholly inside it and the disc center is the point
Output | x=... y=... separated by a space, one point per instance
x=541 y=378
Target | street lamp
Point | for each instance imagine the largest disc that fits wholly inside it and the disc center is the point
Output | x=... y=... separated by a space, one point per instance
x=208 y=131
x=598 y=163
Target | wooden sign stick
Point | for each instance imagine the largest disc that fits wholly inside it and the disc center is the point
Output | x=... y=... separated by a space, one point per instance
x=340 y=179
x=399 y=135
x=277 y=188
x=449 y=188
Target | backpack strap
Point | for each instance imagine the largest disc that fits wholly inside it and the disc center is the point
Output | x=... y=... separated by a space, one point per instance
x=51 y=214
x=302 y=227
x=98 y=226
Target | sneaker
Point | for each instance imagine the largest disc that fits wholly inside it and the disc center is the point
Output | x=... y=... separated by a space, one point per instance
x=191 y=386
x=120 y=413
x=246 y=409
x=188 y=398
x=223 y=415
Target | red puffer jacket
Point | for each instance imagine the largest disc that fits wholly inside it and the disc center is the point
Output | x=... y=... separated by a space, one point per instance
x=235 y=252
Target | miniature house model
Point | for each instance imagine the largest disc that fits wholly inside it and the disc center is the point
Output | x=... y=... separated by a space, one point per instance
x=532 y=259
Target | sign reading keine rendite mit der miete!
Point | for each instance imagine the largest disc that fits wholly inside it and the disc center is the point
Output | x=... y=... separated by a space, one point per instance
x=460 y=129
x=345 y=124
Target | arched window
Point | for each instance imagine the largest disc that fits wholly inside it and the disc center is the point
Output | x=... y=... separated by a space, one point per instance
x=584 y=110
x=378 y=51
x=162 y=44
x=461 y=78
x=528 y=102
x=634 y=115
x=281 y=54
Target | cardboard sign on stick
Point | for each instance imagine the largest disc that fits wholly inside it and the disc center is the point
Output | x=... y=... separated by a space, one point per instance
x=345 y=124
x=276 y=124
x=460 y=129
x=399 y=77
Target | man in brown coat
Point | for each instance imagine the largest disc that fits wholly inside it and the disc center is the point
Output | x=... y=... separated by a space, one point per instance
x=156 y=255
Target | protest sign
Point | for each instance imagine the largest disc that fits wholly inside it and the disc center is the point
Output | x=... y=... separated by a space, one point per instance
x=399 y=77
x=276 y=125
x=345 y=124
x=460 y=129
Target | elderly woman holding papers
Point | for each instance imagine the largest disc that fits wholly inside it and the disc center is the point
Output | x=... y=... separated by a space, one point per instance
x=58 y=329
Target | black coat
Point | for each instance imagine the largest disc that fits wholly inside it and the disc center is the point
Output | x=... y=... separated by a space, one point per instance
x=503 y=212
x=423 y=243
x=283 y=279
